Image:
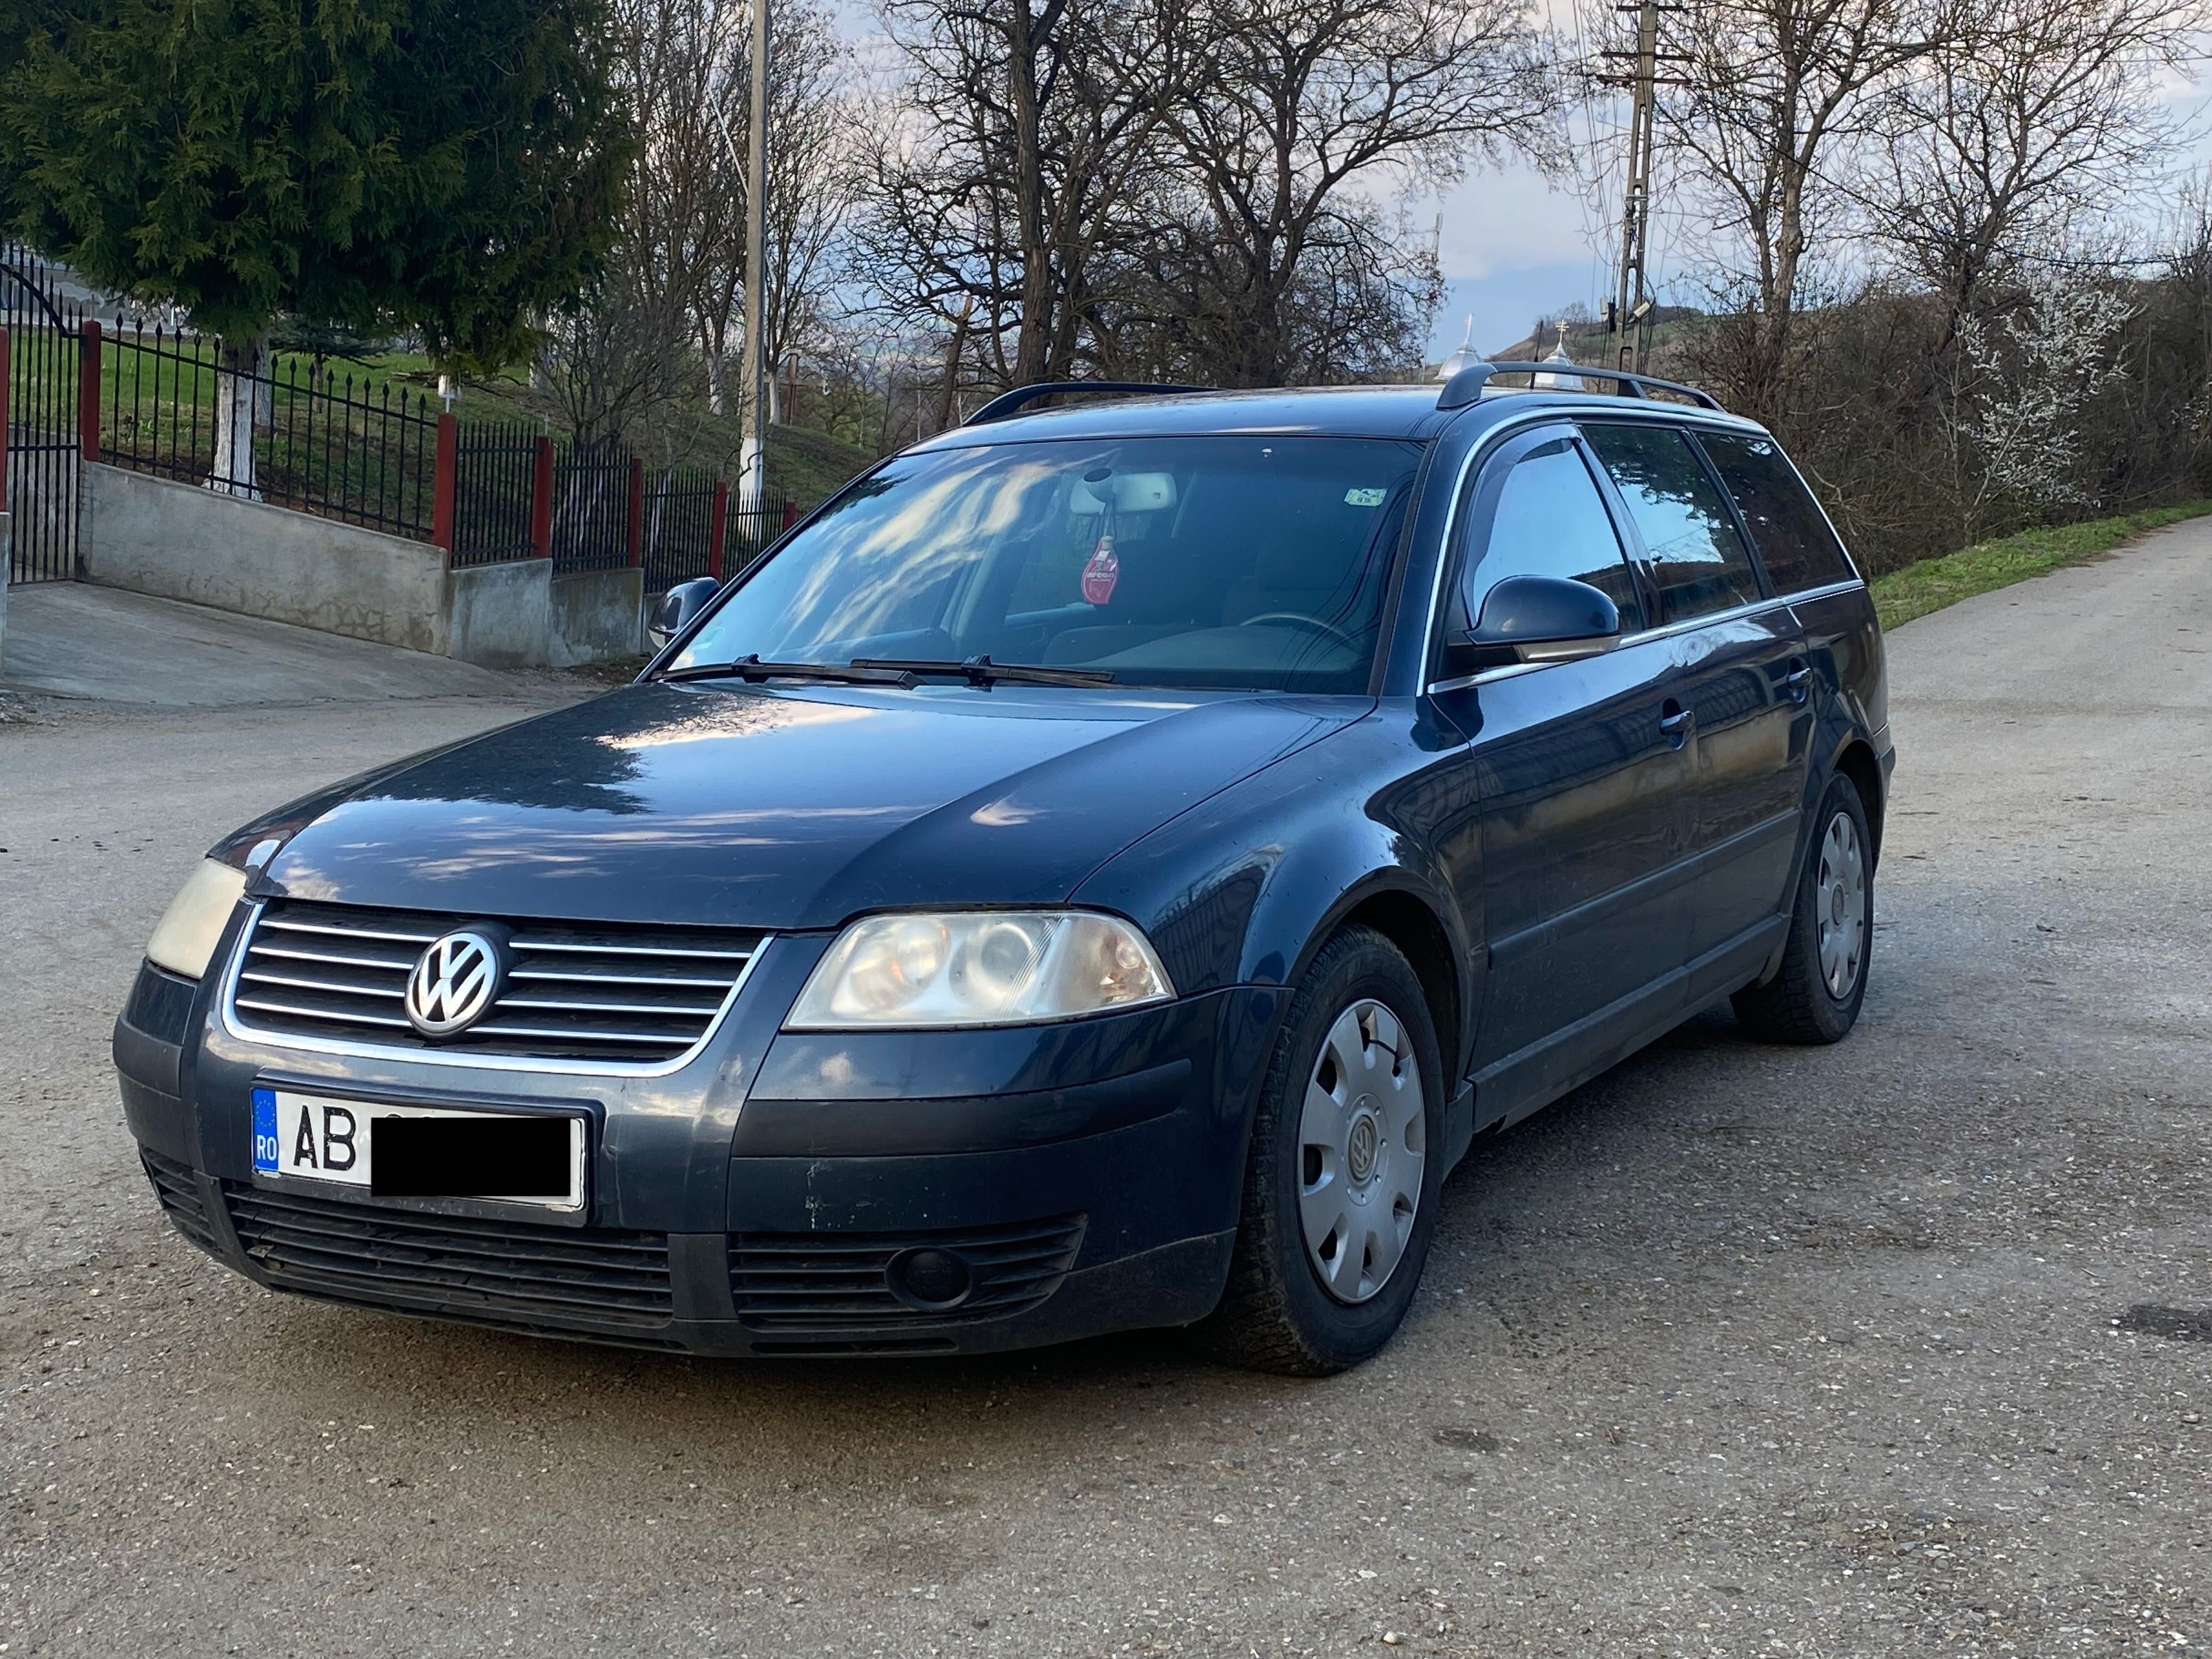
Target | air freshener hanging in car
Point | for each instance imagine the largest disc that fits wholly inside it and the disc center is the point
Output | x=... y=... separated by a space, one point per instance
x=1102 y=571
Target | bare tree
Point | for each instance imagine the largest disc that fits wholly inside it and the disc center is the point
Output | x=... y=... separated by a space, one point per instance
x=1771 y=90
x=2033 y=124
x=1275 y=262
x=621 y=356
x=1005 y=179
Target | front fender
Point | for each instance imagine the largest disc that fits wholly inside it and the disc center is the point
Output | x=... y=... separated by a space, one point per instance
x=1245 y=888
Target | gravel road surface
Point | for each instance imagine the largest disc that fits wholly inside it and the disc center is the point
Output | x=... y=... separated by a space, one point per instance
x=1898 y=1347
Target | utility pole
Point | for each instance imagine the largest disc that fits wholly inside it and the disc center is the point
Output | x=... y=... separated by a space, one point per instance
x=752 y=460
x=1635 y=194
x=1631 y=306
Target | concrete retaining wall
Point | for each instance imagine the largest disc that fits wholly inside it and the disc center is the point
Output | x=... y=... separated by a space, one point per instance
x=180 y=541
x=596 y=615
x=500 y=615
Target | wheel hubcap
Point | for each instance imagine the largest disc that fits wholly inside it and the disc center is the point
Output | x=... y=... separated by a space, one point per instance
x=1363 y=1141
x=1842 y=906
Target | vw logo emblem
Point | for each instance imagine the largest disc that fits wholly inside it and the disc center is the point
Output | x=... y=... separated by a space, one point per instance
x=454 y=981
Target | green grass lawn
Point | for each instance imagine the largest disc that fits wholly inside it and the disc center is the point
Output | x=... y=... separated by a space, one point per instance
x=1934 y=583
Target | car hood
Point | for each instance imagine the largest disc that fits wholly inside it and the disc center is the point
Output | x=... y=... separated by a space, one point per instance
x=784 y=808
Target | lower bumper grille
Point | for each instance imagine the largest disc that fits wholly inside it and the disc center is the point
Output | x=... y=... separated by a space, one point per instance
x=816 y=1287
x=178 y=1190
x=505 y=1273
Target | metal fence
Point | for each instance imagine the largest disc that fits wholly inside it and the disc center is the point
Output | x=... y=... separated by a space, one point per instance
x=592 y=506
x=495 y=492
x=41 y=442
x=322 y=441
x=336 y=442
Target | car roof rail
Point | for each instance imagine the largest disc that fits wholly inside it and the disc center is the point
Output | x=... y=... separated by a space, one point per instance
x=1007 y=403
x=1464 y=387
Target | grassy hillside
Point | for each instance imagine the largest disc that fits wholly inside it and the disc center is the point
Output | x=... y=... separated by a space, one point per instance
x=1932 y=584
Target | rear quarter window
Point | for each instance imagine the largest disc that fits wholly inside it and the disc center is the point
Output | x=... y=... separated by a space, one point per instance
x=1793 y=540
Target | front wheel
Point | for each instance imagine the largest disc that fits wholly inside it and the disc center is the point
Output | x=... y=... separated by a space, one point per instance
x=1342 y=1182
x=1814 y=997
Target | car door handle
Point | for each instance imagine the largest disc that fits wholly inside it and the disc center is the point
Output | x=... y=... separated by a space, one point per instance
x=1675 y=721
x=1797 y=679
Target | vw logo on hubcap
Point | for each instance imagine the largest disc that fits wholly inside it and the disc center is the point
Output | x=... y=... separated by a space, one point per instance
x=454 y=981
x=1361 y=1147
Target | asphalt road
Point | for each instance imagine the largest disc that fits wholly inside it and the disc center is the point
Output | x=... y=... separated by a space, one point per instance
x=1898 y=1348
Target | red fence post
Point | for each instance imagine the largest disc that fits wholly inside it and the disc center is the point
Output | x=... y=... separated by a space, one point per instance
x=635 y=543
x=87 y=389
x=541 y=499
x=718 y=528
x=444 y=483
x=790 y=513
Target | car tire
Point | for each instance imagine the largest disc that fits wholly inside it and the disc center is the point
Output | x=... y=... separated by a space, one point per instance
x=1815 y=996
x=1336 y=1144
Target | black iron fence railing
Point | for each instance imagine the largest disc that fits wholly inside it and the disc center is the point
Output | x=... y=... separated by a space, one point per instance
x=320 y=441
x=592 y=507
x=41 y=437
x=338 y=443
x=497 y=498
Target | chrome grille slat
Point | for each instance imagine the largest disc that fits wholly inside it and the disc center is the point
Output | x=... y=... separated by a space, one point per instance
x=559 y=1006
x=268 y=1005
x=525 y=943
x=336 y=988
x=599 y=995
x=291 y=926
x=289 y=953
x=623 y=978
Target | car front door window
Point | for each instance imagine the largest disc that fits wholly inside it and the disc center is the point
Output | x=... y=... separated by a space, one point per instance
x=1550 y=521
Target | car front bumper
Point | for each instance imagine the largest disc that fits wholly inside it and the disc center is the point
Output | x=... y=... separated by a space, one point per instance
x=780 y=1195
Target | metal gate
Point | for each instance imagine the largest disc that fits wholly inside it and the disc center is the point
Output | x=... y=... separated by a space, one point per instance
x=39 y=370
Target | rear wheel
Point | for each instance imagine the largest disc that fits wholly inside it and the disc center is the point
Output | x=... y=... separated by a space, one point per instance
x=1815 y=995
x=1342 y=1180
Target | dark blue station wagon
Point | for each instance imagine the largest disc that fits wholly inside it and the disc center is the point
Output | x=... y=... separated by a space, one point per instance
x=1101 y=870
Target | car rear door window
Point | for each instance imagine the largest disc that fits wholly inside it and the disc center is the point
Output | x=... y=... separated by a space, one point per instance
x=1793 y=537
x=1551 y=521
x=1699 y=562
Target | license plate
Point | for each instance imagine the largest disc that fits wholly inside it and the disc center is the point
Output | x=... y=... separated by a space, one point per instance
x=420 y=1151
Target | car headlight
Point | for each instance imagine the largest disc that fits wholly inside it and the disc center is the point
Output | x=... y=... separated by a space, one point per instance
x=978 y=968
x=192 y=926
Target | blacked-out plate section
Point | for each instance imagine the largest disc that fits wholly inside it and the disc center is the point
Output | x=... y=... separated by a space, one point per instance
x=472 y=1157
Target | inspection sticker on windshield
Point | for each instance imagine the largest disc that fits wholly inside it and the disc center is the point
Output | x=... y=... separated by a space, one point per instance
x=1364 y=498
x=1102 y=572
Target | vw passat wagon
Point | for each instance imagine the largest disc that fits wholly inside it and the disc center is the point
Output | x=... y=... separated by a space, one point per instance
x=1102 y=870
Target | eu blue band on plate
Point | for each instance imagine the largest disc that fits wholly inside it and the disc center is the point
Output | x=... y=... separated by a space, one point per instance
x=265 y=1130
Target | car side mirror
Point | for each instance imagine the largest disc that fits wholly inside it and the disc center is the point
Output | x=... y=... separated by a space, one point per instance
x=677 y=608
x=1546 y=619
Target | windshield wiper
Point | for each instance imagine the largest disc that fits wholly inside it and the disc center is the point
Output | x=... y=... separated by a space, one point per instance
x=981 y=670
x=750 y=667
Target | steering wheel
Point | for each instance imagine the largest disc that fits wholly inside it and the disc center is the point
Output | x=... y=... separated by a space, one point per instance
x=1299 y=619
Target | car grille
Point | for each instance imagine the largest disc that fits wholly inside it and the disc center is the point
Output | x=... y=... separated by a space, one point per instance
x=641 y=996
x=178 y=1190
x=819 y=1291
x=514 y=1273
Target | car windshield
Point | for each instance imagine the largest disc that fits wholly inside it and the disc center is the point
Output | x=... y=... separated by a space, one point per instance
x=1253 y=562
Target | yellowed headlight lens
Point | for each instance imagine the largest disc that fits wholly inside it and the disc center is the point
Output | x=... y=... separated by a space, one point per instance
x=189 y=931
x=978 y=968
